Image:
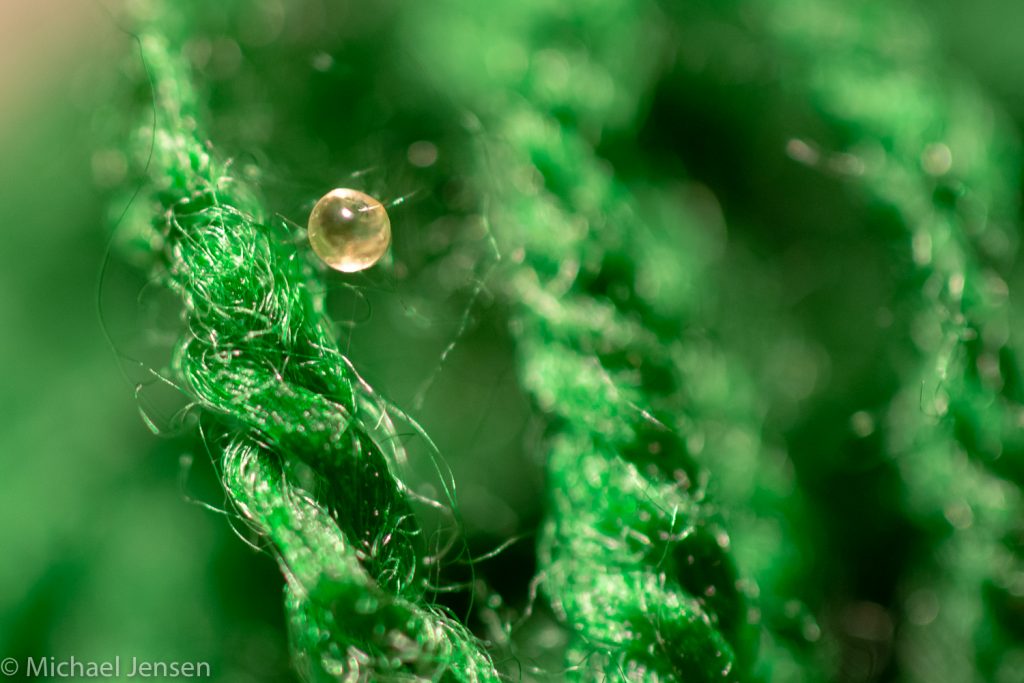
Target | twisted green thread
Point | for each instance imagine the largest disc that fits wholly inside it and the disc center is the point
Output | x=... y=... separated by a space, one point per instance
x=632 y=556
x=959 y=227
x=605 y=286
x=574 y=347
x=928 y=146
x=258 y=357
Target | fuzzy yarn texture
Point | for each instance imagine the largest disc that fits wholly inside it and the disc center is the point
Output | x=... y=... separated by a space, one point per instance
x=291 y=409
x=685 y=521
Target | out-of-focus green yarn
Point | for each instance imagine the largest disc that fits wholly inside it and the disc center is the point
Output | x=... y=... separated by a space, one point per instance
x=926 y=145
x=923 y=143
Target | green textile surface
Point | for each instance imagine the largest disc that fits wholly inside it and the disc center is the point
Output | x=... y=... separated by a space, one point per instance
x=694 y=357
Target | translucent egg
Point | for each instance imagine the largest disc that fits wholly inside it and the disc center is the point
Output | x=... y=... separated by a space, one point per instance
x=349 y=230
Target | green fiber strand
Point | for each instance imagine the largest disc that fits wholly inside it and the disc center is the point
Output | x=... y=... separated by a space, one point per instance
x=629 y=365
x=631 y=556
x=929 y=147
x=258 y=356
x=957 y=213
x=576 y=236
x=345 y=624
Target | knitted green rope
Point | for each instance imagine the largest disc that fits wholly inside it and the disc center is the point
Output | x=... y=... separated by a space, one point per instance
x=929 y=147
x=581 y=357
x=632 y=556
x=654 y=429
x=943 y=168
x=258 y=357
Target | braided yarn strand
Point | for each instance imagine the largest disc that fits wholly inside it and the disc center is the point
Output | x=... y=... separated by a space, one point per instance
x=930 y=148
x=628 y=495
x=258 y=357
x=654 y=443
x=632 y=556
x=947 y=168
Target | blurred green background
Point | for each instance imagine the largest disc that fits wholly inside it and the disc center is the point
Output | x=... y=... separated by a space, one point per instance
x=108 y=545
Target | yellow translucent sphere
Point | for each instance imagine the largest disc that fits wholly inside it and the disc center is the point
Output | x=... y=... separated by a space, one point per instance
x=349 y=230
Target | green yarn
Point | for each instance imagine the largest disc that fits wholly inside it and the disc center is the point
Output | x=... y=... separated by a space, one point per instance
x=346 y=624
x=928 y=147
x=631 y=557
x=630 y=491
x=958 y=216
x=309 y=452
x=677 y=542
x=630 y=531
